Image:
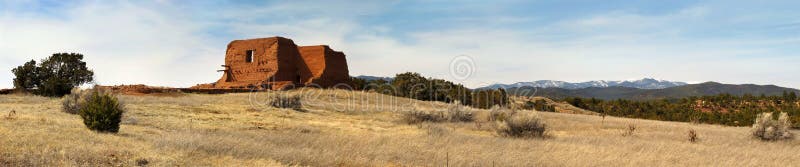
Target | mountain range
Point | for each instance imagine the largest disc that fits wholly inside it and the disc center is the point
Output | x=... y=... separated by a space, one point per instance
x=646 y=83
x=619 y=92
x=643 y=89
x=372 y=78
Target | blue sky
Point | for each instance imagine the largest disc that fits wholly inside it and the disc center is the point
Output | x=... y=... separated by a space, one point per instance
x=181 y=43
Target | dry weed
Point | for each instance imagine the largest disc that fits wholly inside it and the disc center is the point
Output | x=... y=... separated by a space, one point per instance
x=693 y=136
x=769 y=129
x=523 y=125
x=630 y=131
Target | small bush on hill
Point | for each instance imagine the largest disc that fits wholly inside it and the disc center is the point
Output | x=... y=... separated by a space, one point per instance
x=419 y=116
x=767 y=128
x=539 y=105
x=72 y=103
x=454 y=113
x=458 y=113
x=522 y=125
x=286 y=101
x=498 y=113
x=101 y=111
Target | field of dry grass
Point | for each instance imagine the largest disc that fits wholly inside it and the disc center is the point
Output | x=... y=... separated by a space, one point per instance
x=342 y=128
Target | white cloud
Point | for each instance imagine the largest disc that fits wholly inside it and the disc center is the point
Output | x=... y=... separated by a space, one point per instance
x=159 y=45
x=124 y=44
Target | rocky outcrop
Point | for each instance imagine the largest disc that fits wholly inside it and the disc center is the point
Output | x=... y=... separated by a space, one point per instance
x=277 y=63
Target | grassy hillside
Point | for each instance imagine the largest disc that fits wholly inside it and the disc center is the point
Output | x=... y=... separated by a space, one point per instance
x=341 y=128
x=612 y=93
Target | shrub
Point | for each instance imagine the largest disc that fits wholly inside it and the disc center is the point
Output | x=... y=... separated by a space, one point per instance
x=286 y=101
x=142 y=162
x=101 y=112
x=523 y=125
x=455 y=113
x=767 y=128
x=72 y=103
x=539 y=105
x=458 y=113
x=498 y=113
x=418 y=116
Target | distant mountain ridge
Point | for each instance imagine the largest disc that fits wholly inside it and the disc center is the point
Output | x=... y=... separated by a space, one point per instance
x=645 y=83
x=618 y=92
x=372 y=78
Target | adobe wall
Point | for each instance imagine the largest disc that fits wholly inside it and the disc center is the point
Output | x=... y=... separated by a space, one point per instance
x=278 y=62
x=275 y=60
x=327 y=67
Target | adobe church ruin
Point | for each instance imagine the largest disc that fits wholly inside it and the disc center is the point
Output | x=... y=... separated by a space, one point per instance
x=277 y=63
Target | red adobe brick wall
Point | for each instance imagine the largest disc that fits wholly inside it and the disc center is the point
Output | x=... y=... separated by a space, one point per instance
x=279 y=62
x=328 y=67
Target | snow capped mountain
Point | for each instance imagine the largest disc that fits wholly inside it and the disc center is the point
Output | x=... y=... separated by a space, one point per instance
x=645 y=83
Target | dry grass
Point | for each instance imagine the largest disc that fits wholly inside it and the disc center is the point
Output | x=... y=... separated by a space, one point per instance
x=343 y=128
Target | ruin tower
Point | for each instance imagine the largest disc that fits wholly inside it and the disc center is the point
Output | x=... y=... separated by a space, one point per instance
x=277 y=63
x=326 y=66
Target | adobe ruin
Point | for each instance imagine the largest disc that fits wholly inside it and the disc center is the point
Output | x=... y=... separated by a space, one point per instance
x=276 y=63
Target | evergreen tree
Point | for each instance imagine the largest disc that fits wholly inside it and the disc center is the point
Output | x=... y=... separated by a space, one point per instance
x=56 y=76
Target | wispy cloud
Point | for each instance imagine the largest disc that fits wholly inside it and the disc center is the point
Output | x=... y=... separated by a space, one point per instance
x=175 y=44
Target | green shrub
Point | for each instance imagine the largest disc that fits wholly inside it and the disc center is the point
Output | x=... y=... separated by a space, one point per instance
x=767 y=128
x=101 y=112
x=522 y=125
x=286 y=101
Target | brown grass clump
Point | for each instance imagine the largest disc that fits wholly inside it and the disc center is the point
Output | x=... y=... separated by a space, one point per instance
x=630 y=131
x=693 y=136
x=498 y=113
x=436 y=130
x=769 y=129
x=523 y=125
x=286 y=101
x=11 y=114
